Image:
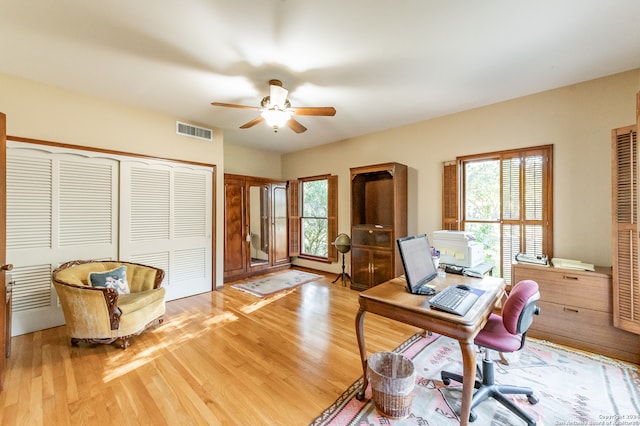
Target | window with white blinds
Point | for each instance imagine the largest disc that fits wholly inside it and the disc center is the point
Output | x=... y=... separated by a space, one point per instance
x=65 y=204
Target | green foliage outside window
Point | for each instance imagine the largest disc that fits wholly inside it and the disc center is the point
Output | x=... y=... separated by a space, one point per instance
x=314 y=219
x=482 y=204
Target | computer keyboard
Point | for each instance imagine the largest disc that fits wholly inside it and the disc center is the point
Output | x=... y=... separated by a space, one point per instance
x=454 y=300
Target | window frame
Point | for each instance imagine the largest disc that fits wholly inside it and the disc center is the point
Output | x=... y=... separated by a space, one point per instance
x=332 y=209
x=454 y=215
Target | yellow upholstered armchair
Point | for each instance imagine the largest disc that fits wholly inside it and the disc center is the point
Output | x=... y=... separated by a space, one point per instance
x=104 y=301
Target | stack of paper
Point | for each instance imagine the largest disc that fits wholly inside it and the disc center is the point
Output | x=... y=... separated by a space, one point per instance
x=572 y=264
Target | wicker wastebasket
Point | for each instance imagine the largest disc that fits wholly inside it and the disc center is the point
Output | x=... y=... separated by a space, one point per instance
x=392 y=379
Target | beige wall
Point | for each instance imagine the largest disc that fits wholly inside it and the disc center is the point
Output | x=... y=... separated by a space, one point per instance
x=241 y=160
x=576 y=119
x=44 y=112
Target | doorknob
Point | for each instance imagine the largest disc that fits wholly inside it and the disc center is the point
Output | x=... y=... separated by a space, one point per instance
x=6 y=267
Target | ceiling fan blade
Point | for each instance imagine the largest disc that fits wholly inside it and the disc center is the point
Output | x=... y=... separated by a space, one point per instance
x=296 y=126
x=252 y=122
x=317 y=111
x=222 y=104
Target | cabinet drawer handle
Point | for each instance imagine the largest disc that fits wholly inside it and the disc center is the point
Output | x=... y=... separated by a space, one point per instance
x=569 y=277
x=571 y=310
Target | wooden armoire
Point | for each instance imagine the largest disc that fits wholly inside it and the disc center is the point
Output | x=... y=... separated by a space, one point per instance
x=626 y=276
x=378 y=218
x=255 y=226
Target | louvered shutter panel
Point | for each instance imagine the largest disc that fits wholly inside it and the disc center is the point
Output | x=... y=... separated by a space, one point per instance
x=332 y=200
x=86 y=203
x=294 y=218
x=511 y=225
x=29 y=202
x=534 y=181
x=149 y=206
x=450 y=196
x=626 y=287
x=526 y=210
x=189 y=205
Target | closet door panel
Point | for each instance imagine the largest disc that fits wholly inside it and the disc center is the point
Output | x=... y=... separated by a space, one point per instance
x=60 y=207
x=166 y=221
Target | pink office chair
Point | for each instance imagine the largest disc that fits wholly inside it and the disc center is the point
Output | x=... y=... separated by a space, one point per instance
x=504 y=333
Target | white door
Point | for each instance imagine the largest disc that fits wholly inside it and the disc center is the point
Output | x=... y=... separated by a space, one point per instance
x=60 y=207
x=166 y=221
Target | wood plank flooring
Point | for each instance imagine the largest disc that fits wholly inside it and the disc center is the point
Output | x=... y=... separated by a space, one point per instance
x=220 y=358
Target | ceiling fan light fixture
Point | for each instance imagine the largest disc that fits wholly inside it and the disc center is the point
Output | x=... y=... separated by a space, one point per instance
x=275 y=117
x=276 y=110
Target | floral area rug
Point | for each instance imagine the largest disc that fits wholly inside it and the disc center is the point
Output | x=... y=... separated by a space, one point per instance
x=275 y=283
x=572 y=388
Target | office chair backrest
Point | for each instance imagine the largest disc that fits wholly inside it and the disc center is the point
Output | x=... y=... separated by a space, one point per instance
x=520 y=307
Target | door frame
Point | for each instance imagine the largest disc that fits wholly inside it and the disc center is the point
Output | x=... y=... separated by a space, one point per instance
x=3 y=241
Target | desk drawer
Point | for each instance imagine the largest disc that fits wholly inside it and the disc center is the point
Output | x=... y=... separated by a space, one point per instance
x=591 y=290
x=587 y=325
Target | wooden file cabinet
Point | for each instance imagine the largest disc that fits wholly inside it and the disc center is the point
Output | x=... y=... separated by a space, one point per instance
x=576 y=310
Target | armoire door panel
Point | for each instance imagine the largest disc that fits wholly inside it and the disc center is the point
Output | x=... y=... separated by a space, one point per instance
x=234 y=226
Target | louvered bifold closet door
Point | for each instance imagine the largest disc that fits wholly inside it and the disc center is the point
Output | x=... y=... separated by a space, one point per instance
x=166 y=221
x=626 y=287
x=60 y=207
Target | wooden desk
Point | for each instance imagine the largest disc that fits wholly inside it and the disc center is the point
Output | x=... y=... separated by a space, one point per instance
x=391 y=299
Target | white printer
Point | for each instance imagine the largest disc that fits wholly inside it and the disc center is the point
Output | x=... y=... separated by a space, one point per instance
x=458 y=248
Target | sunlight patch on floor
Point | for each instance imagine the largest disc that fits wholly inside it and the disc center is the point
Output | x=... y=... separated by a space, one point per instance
x=247 y=309
x=117 y=366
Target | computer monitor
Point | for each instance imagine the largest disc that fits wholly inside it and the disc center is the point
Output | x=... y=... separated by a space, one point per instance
x=419 y=269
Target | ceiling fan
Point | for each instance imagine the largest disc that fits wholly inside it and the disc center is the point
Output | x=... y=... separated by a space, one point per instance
x=276 y=110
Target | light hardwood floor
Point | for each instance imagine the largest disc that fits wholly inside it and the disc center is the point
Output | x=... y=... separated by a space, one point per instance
x=223 y=357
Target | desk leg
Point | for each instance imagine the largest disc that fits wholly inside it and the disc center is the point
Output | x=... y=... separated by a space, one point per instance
x=363 y=352
x=469 y=379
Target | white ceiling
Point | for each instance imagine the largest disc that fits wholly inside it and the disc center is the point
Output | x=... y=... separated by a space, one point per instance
x=380 y=63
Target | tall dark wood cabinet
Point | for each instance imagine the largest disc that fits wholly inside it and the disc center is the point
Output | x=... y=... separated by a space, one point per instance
x=255 y=226
x=378 y=218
